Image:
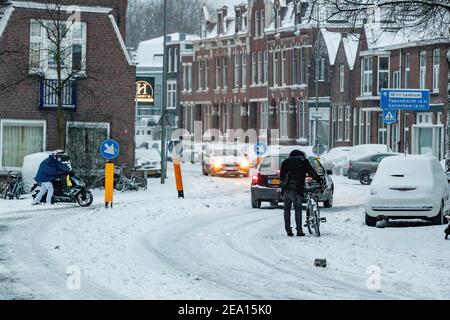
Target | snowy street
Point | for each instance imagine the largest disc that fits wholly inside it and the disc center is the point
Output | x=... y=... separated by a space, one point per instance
x=213 y=245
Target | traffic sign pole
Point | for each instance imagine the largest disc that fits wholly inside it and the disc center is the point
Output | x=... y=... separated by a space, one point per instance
x=109 y=184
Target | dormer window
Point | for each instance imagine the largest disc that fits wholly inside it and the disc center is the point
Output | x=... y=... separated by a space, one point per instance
x=219 y=23
x=298 y=12
x=277 y=18
x=244 y=23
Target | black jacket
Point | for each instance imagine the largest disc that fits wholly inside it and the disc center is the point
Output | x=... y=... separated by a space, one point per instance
x=293 y=171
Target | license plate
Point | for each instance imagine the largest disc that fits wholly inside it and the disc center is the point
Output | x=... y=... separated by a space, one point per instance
x=275 y=182
x=231 y=168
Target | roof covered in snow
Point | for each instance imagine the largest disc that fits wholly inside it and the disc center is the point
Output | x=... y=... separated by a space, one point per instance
x=350 y=44
x=332 y=41
x=150 y=52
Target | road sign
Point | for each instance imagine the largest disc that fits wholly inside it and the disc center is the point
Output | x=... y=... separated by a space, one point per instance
x=389 y=116
x=109 y=149
x=260 y=149
x=405 y=99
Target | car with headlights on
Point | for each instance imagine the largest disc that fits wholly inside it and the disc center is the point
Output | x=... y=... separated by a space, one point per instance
x=224 y=160
x=149 y=161
x=266 y=182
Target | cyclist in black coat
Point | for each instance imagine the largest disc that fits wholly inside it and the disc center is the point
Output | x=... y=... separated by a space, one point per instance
x=292 y=173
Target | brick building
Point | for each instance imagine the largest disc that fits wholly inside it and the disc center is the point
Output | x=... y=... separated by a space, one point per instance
x=97 y=103
x=264 y=65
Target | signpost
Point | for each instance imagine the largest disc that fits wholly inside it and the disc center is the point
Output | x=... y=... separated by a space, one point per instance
x=405 y=99
x=109 y=149
x=389 y=116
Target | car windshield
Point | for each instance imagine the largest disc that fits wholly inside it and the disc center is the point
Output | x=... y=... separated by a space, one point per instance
x=227 y=153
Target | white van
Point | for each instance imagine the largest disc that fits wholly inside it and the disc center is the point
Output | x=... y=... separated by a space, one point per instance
x=412 y=187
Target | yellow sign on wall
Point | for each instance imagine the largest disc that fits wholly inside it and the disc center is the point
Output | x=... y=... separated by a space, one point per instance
x=144 y=92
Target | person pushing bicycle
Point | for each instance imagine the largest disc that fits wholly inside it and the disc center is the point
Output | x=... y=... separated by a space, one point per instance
x=293 y=173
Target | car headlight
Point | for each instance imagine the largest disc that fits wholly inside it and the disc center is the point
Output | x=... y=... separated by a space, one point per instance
x=245 y=164
x=217 y=165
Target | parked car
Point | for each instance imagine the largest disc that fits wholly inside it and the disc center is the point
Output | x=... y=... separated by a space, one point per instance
x=225 y=160
x=360 y=151
x=364 y=168
x=413 y=187
x=266 y=182
x=149 y=160
x=334 y=159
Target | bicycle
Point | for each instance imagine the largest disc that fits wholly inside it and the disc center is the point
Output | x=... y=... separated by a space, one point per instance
x=15 y=187
x=313 y=218
x=123 y=183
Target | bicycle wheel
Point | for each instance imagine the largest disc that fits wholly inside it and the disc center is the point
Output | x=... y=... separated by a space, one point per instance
x=316 y=220
x=309 y=212
x=140 y=183
x=120 y=185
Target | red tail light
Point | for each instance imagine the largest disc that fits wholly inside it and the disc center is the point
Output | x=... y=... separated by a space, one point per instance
x=308 y=179
x=255 y=180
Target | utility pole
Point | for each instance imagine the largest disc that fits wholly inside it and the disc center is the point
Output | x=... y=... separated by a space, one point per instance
x=318 y=45
x=447 y=136
x=164 y=99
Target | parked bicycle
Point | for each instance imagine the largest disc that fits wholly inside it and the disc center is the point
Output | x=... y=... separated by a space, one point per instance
x=123 y=183
x=15 y=187
x=313 y=218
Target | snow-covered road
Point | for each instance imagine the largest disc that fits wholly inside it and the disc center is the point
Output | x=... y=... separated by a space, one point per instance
x=213 y=245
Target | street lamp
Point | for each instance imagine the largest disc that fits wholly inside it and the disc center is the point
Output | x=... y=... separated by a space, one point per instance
x=164 y=99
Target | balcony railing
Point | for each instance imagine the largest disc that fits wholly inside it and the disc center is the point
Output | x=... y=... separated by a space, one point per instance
x=49 y=97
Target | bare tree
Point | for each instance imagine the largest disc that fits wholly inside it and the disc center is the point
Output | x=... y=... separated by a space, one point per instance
x=423 y=16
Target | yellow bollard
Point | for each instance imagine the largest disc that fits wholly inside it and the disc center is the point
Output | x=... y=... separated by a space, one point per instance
x=178 y=177
x=109 y=184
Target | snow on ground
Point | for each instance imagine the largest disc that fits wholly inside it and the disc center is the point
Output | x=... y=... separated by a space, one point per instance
x=213 y=245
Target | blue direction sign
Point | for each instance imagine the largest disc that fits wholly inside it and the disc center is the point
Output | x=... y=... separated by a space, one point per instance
x=109 y=149
x=260 y=149
x=405 y=99
x=389 y=116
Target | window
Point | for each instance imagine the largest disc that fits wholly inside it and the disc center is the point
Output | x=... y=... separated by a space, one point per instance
x=436 y=63
x=189 y=77
x=200 y=74
x=277 y=18
x=260 y=67
x=284 y=120
x=407 y=70
x=366 y=76
x=320 y=69
x=295 y=73
x=254 y=66
x=340 y=126
x=302 y=119
x=341 y=78
x=18 y=139
x=396 y=84
x=169 y=68
x=347 y=116
x=43 y=49
x=263 y=21
x=225 y=72
x=257 y=24
x=283 y=67
x=225 y=118
x=175 y=60
x=264 y=116
x=361 y=127
x=244 y=71
x=302 y=66
x=218 y=74
x=184 y=68
x=383 y=73
x=171 y=95
x=276 y=73
x=422 y=69
x=236 y=71
x=205 y=77
x=266 y=67
x=368 y=131
x=382 y=131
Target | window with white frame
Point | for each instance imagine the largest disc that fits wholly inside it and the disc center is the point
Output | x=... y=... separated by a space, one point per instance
x=275 y=69
x=42 y=54
x=225 y=72
x=436 y=63
x=260 y=67
x=295 y=64
x=263 y=21
x=341 y=77
x=366 y=76
x=407 y=70
x=368 y=127
x=254 y=68
x=302 y=119
x=205 y=77
x=347 y=116
x=244 y=71
x=355 y=125
x=340 y=124
x=175 y=60
x=383 y=73
x=218 y=74
x=382 y=131
x=396 y=80
x=184 y=68
x=199 y=74
x=320 y=69
x=189 y=77
x=283 y=67
x=277 y=18
x=361 y=127
x=266 y=67
x=171 y=94
x=422 y=69
x=284 y=120
x=302 y=65
x=335 y=122
x=225 y=118
x=19 y=138
x=169 y=65
x=257 y=24
x=236 y=71
x=264 y=116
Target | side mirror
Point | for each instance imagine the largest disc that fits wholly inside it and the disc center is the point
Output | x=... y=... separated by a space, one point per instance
x=329 y=172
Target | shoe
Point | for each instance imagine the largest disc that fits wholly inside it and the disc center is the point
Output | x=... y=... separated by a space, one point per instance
x=300 y=234
x=290 y=234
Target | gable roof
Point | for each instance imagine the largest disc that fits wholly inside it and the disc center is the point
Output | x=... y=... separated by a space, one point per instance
x=351 y=44
x=332 y=41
